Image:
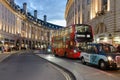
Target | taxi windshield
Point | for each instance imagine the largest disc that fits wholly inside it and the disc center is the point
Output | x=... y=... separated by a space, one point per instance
x=108 y=48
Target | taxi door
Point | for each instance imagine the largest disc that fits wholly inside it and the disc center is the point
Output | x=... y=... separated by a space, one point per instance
x=94 y=55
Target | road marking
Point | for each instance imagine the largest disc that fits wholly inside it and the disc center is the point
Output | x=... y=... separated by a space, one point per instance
x=62 y=71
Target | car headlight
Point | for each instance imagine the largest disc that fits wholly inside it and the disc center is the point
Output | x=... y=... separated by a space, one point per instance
x=75 y=51
x=110 y=58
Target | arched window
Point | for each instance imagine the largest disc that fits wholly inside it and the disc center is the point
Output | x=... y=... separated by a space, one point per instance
x=104 y=5
x=88 y=2
x=100 y=28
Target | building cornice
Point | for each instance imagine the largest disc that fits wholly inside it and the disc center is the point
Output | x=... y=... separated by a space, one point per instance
x=4 y=2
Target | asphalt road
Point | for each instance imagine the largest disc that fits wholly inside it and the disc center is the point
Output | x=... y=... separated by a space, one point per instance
x=26 y=66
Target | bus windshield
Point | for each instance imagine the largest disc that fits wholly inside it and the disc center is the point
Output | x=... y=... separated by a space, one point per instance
x=82 y=28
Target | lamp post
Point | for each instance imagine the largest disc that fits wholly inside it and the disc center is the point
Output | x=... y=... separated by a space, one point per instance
x=114 y=22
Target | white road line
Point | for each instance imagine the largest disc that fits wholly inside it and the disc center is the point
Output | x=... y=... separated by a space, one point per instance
x=62 y=71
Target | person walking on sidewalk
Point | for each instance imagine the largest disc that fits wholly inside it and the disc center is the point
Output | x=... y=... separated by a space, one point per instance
x=118 y=48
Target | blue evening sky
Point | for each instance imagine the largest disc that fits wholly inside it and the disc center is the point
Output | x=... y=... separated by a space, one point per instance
x=54 y=9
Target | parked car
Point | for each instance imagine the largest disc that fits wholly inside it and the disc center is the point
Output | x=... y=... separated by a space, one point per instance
x=103 y=55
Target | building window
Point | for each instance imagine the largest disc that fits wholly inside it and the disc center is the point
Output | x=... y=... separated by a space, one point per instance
x=79 y=20
x=48 y=36
x=104 y=5
x=42 y=33
x=83 y=5
x=88 y=2
x=79 y=8
x=88 y=15
x=83 y=18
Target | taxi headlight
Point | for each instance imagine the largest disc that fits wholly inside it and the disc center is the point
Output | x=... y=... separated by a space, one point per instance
x=75 y=51
x=110 y=58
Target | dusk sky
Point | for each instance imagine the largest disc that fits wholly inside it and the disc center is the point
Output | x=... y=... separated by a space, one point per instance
x=54 y=9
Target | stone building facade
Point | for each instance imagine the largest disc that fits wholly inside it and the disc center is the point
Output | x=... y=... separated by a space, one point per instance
x=102 y=15
x=18 y=28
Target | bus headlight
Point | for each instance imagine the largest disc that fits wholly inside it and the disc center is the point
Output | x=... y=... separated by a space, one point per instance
x=110 y=58
x=75 y=51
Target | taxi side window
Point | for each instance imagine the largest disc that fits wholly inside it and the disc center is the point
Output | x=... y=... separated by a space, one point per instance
x=84 y=48
x=106 y=49
x=89 y=50
x=92 y=49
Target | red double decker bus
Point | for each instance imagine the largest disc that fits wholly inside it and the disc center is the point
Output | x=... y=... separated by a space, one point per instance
x=65 y=41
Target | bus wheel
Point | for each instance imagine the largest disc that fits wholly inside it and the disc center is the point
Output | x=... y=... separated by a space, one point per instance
x=83 y=60
x=65 y=54
x=102 y=65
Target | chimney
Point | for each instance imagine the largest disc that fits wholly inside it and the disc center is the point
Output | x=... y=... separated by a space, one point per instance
x=25 y=7
x=35 y=13
x=45 y=18
x=11 y=1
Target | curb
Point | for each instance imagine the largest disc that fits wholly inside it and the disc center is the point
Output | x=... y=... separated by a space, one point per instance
x=5 y=55
x=71 y=75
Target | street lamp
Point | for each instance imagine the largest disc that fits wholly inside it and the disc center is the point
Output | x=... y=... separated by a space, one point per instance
x=114 y=22
x=2 y=42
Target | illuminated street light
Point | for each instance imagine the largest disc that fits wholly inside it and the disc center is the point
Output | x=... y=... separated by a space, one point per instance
x=2 y=41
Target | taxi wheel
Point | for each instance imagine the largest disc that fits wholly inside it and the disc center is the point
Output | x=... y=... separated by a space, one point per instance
x=102 y=65
x=83 y=61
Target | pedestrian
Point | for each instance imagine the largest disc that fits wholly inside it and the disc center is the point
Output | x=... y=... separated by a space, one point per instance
x=118 y=48
x=2 y=49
